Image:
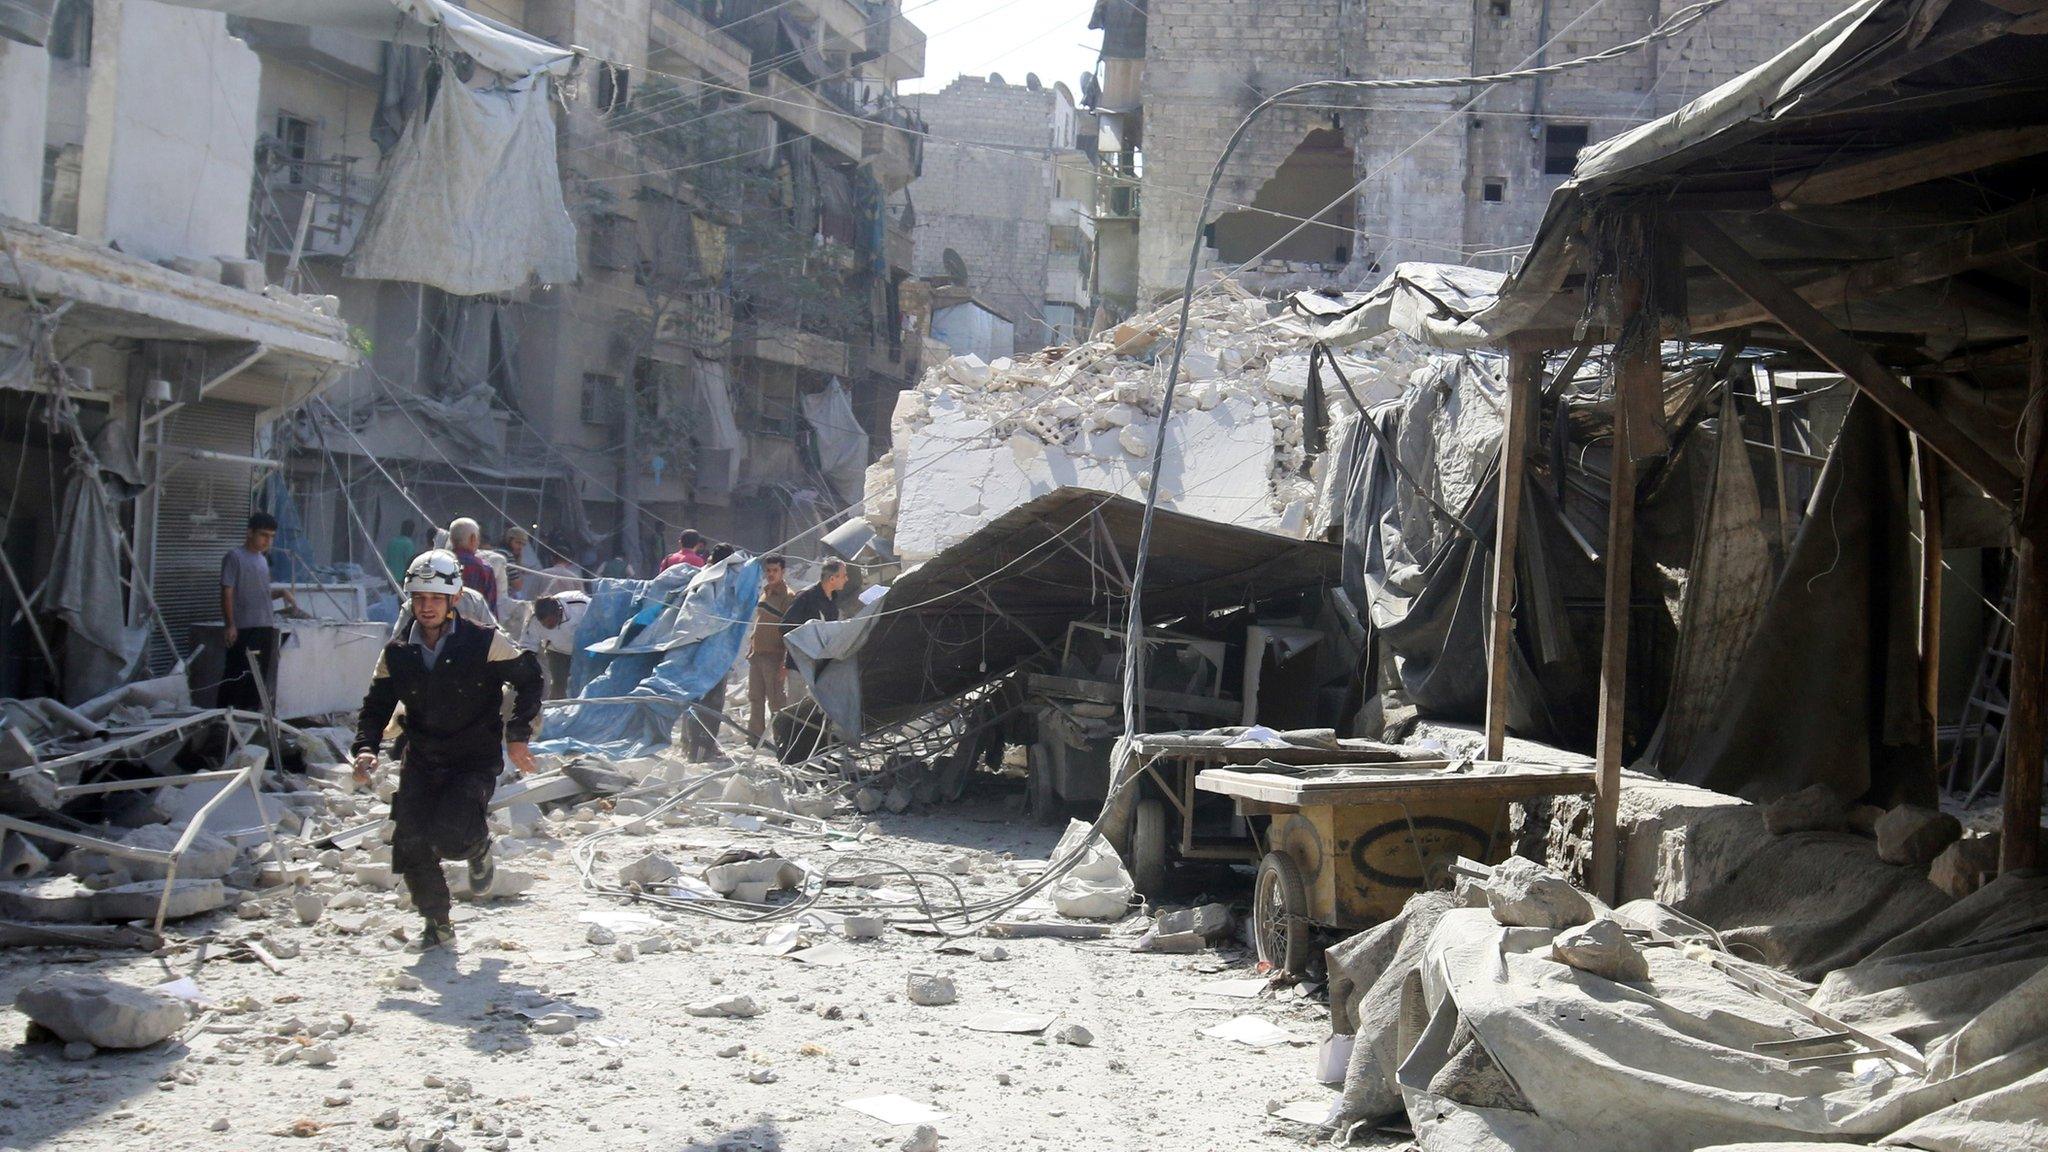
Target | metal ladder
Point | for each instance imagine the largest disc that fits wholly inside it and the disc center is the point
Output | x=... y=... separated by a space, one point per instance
x=1979 y=751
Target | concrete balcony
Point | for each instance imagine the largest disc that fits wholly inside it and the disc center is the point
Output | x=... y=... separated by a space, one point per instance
x=842 y=24
x=898 y=45
x=797 y=106
x=1074 y=214
x=892 y=152
x=1066 y=285
x=679 y=40
x=780 y=344
x=353 y=59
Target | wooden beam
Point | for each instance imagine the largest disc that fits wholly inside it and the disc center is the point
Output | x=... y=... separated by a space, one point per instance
x=1525 y=378
x=1905 y=167
x=1989 y=240
x=2026 y=732
x=1851 y=359
x=1636 y=370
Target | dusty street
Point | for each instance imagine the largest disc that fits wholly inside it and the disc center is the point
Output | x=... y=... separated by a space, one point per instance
x=426 y=1042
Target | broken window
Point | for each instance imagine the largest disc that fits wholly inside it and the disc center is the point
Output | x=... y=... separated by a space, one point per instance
x=1314 y=182
x=614 y=84
x=600 y=400
x=294 y=146
x=1494 y=191
x=1561 y=145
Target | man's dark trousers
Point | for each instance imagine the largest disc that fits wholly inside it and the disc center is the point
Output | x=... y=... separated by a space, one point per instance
x=253 y=648
x=441 y=809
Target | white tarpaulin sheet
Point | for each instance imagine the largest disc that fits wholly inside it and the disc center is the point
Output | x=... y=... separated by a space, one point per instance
x=473 y=202
x=498 y=47
x=1523 y=1052
x=1432 y=303
x=842 y=442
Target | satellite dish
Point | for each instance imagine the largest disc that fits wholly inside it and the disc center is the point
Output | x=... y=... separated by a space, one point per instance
x=996 y=78
x=1032 y=81
x=956 y=268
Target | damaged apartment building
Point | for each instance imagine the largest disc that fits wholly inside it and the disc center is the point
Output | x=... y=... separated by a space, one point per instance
x=715 y=270
x=1005 y=215
x=1453 y=175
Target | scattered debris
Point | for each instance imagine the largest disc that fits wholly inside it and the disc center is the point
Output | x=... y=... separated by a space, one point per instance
x=929 y=990
x=1601 y=948
x=1523 y=893
x=103 y=1013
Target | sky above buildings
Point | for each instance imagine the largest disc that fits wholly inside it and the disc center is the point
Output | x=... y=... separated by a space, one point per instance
x=1013 y=37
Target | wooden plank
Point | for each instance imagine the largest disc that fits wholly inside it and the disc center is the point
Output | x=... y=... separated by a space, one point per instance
x=1394 y=786
x=2026 y=733
x=1636 y=370
x=1987 y=241
x=1905 y=167
x=1851 y=359
x=1525 y=377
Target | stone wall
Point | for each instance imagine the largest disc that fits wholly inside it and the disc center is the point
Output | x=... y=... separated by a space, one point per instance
x=987 y=191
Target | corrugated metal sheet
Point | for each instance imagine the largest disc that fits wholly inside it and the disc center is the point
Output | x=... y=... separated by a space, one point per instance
x=201 y=512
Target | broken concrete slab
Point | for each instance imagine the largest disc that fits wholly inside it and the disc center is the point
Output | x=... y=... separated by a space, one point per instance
x=773 y=872
x=729 y=1007
x=1524 y=894
x=1961 y=868
x=1815 y=808
x=139 y=901
x=49 y=900
x=1910 y=834
x=1209 y=920
x=649 y=870
x=1601 y=948
x=104 y=1013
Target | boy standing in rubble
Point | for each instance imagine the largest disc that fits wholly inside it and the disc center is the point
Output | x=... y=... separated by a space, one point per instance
x=451 y=676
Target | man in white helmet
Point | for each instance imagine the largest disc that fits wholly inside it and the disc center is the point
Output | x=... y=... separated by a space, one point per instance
x=451 y=675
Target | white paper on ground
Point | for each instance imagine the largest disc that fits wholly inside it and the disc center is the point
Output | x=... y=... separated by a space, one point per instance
x=186 y=989
x=830 y=954
x=1253 y=1030
x=619 y=920
x=1017 y=1023
x=1305 y=1111
x=782 y=940
x=553 y=1006
x=894 y=1109
x=1246 y=989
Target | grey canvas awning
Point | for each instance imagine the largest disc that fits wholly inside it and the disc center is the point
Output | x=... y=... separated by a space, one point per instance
x=497 y=46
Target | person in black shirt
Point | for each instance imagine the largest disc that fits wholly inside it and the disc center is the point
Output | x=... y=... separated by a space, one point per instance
x=451 y=675
x=816 y=602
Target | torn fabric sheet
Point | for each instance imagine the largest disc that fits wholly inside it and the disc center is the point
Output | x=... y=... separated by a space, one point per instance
x=499 y=47
x=842 y=442
x=668 y=640
x=473 y=201
x=86 y=593
x=1432 y=303
x=825 y=653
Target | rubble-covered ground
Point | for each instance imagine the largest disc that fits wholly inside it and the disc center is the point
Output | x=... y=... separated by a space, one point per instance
x=531 y=1035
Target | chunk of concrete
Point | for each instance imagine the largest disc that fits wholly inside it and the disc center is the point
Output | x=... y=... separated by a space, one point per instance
x=1963 y=865
x=1815 y=808
x=208 y=857
x=78 y=1008
x=898 y=800
x=49 y=900
x=1171 y=943
x=929 y=990
x=924 y=1139
x=1208 y=921
x=1601 y=948
x=1524 y=894
x=1910 y=834
x=19 y=859
x=139 y=901
x=1074 y=1034
x=730 y=1007
x=649 y=870
x=308 y=906
x=773 y=872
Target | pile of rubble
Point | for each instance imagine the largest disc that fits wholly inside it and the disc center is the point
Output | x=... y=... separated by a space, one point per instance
x=976 y=439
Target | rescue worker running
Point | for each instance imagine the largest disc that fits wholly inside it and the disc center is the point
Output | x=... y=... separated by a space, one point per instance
x=451 y=675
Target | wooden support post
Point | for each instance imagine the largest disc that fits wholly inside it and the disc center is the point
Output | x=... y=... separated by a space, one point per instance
x=1525 y=378
x=1929 y=470
x=2026 y=733
x=1636 y=370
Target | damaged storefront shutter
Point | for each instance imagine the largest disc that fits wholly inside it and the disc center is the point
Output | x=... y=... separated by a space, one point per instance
x=199 y=511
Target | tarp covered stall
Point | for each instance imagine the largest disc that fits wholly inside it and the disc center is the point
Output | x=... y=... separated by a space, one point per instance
x=645 y=649
x=1009 y=590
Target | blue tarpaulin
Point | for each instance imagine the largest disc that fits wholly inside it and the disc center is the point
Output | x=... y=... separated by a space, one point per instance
x=668 y=640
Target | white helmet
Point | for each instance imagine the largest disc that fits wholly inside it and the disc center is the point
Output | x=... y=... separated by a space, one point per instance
x=435 y=571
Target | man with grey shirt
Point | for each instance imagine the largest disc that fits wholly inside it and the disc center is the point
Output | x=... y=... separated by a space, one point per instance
x=246 y=608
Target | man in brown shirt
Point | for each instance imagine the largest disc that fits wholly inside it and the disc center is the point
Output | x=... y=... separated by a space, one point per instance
x=767 y=677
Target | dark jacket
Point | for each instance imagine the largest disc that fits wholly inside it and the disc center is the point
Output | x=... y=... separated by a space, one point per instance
x=454 y=710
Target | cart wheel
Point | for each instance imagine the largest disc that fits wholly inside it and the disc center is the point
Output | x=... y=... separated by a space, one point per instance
x=1148 y=847
x=1280 y=914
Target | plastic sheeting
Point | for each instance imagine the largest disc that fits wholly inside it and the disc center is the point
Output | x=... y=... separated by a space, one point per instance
x=473 y=202
x=824 y=653
x=668 y=640
x=842 y=442
x=1671 y=1062
x=85 y=592
x=1828 y=691
x=499 y=47
x=1433 y=303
